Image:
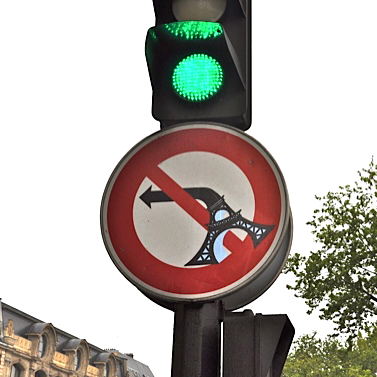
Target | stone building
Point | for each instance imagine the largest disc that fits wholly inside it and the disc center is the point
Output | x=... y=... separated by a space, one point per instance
x=32 y=348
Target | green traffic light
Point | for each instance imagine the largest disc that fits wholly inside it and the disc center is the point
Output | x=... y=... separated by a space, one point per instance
x=195 y=29
x=197 y=77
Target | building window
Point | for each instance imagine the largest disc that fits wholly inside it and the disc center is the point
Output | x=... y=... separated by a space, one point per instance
x=42 y=346
x=107 y=370
x=40 y=373
x=15 y=371
x=77 y=360
x=120 y=369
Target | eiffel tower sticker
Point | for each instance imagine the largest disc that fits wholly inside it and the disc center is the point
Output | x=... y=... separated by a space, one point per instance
x=218 y=225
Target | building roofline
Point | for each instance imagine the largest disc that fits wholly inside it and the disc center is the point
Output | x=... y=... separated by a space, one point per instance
x=36 y=320
x=59 y=331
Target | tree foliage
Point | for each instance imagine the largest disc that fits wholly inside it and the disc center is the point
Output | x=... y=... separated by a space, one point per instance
x=340 y=278
x=311 y=356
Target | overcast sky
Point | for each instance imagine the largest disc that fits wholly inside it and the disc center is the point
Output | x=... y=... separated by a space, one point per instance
x=75 y=97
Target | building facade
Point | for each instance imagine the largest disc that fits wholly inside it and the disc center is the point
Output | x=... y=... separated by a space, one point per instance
x=32 y=348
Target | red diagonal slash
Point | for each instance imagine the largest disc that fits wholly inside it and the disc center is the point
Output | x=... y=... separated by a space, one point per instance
x=193 y=208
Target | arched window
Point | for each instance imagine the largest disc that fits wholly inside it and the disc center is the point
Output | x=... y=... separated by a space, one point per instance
x=77 y=360
x=40 y=373
x=15 y=371
x=42 y=345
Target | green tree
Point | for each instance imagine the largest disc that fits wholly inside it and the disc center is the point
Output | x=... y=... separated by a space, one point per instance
x=311 y=356
x=340 y=278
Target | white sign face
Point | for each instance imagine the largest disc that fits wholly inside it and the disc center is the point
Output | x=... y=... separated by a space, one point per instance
x=194 y=213
x=178 y=228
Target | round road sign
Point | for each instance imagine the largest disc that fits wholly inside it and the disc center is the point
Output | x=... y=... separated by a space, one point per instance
x=196 y=213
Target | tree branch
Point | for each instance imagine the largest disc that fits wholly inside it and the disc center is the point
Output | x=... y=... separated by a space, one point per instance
x=373 y=298
x=372 y=272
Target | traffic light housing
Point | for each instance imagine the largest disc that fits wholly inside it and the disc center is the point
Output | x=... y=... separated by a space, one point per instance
x=262 y=343
x=199 y=61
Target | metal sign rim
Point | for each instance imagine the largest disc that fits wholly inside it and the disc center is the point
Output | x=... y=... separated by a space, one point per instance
x=169 y=298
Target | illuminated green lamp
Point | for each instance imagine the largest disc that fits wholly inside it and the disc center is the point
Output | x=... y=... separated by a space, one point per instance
x=195 y=29
x=197 y=77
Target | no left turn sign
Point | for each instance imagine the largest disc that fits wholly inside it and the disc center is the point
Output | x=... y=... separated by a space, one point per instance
x=195 y=213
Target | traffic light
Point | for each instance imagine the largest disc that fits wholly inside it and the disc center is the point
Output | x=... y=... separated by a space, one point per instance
x=199 y=61
x=262 y=343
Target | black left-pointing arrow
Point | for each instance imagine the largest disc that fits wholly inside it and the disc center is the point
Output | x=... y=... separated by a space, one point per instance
x=207 y=195
x=150 y=197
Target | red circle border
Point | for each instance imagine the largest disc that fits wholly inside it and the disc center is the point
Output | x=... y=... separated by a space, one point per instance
x=143 y=268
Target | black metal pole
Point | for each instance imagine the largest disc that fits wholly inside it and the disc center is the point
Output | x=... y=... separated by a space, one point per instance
x=196 y=343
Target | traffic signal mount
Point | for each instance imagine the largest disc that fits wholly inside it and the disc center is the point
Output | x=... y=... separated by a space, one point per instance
x=199 y=61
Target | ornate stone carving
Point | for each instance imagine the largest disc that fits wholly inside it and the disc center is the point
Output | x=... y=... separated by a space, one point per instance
x=9 y=337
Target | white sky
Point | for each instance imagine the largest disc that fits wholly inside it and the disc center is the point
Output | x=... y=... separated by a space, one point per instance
x=75 y=97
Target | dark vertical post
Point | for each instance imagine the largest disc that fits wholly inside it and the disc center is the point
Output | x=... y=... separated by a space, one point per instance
x=196 y=343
